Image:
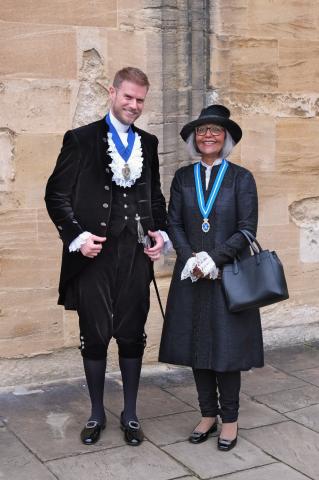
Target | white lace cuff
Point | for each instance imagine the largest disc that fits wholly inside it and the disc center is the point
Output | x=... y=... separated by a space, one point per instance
x=204 y=262
x=168 y=246
x=77 y=243
x=187 y=271
x=207 y=265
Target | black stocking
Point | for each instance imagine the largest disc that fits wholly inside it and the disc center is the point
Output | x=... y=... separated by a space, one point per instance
x=131 y=372
x=95 y=378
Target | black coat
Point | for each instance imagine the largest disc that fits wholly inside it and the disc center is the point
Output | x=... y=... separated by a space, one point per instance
x=79 y=192
x=199 y=331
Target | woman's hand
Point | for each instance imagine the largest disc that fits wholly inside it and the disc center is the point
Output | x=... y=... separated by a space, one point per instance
x=197 y=272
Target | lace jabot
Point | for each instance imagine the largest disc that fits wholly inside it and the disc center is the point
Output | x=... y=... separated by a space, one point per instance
x=135 y=162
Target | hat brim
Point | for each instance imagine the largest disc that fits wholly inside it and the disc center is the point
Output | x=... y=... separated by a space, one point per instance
x=232 y=127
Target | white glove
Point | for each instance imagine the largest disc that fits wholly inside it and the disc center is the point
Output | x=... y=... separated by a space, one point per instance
x=204 y=262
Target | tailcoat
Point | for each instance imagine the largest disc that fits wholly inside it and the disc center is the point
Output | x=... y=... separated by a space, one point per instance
x=79 y=194
x=198 y=330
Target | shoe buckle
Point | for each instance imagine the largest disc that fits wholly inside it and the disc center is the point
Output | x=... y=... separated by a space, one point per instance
x=134 y=425
x=91 y=424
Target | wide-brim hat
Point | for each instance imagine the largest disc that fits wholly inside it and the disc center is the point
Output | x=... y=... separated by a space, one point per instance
x=217 y=114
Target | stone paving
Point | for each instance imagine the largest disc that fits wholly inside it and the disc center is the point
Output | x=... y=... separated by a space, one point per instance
x=278 y=436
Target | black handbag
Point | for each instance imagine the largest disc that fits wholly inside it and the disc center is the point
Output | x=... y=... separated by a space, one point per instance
x=255 y=281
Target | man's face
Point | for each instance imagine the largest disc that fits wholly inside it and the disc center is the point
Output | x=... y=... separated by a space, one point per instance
x=127 y=101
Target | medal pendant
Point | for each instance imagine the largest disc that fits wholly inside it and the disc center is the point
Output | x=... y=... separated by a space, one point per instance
x=126 y=172
x=205 y=225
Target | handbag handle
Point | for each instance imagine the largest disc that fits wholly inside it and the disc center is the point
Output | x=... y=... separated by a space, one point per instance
x=253 y=242
x=254 y=245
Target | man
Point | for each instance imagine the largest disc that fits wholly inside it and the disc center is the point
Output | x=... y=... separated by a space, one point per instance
x=103 y=196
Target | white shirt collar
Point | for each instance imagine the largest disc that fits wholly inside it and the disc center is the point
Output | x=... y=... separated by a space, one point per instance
x=119 y=126
x=218 y=161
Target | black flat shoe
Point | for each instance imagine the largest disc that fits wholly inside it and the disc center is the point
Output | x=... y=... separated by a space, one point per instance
x=91 y=432
x=226 y=445
x=133 y=433
x=200 y=437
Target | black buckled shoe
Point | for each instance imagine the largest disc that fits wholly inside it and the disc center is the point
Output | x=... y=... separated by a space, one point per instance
x=225 y=445
x=91 y=432
x=133 y=433
x=200 y=437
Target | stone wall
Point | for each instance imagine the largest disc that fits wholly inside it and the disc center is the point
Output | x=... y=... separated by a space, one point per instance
x=57 y=59
x=264 y=65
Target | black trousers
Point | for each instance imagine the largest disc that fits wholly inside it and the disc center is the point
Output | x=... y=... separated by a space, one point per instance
x=113 y=298
x=218 y=393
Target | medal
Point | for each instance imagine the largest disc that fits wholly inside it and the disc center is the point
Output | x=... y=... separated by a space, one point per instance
x=126 y=172
x=205 y=225
x=205 y=208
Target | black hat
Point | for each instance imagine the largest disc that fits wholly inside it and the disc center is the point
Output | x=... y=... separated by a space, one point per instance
x=217 y=114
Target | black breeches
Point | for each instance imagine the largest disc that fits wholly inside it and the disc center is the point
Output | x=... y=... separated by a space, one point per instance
x=209 y=384
x=113 y=299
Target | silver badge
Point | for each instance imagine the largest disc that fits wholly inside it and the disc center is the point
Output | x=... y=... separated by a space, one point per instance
x=126 y=172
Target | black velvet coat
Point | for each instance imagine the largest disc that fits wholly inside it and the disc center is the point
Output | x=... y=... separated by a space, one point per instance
x=79 y=193
x=199 y=331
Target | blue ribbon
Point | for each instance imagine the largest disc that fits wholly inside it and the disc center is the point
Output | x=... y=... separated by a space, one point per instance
x=125 y=152
x=206 y=208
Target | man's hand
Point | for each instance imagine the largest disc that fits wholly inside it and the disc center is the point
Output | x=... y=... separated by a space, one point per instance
x=92 y=247
x=154 y=252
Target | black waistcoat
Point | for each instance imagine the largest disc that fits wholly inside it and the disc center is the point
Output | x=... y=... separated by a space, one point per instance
x=124 y=209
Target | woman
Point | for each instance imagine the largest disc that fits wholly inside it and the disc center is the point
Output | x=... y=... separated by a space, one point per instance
x=210 y=202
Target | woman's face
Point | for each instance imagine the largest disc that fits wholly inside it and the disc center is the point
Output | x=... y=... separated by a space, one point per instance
x=210 y=139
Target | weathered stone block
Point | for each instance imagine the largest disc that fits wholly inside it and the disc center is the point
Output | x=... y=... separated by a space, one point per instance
x=25 y=50
x=258 y=145
x=39 y=106
x=297 y=145
x=61 y=12
x=18 y=228
x=273 y=210
x=29 y=266
x=247 y=65
x=282 y=19
x=230 y=18
x=119 y=55
x=31 y=322
x=298 y=65
x=35 y=157
x=92 y=99
x=7 y=164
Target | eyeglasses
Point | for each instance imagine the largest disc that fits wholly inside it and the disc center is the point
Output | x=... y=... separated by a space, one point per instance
x=213 y=129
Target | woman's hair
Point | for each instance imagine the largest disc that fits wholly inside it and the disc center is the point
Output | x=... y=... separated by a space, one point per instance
x=225 y=152
x=131 y=74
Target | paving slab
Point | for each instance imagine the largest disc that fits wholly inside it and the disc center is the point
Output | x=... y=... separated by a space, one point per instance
x=17 y=463
x=153 y=402
x=290 y=443
x=265 y=380
x=311 y=375
x=124 y=463
x=309 y=417
x=172 y=428
x=186 y=394
x=289 y=400
x=208 y=462
x=253 y=414
x=49 y=422
x=292 y=359
x=275 y=471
